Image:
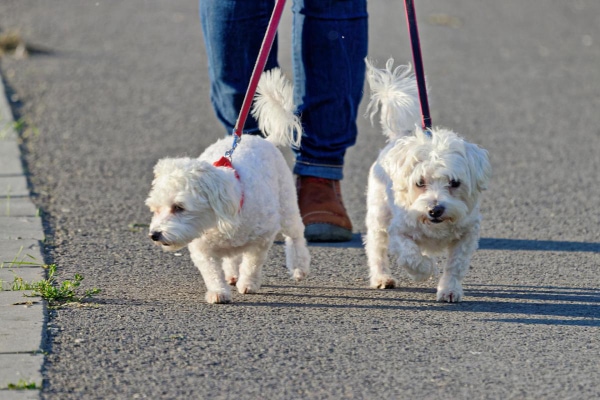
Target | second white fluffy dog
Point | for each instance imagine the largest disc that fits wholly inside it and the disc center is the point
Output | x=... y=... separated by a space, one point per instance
x=424 y=191
x=228 y=216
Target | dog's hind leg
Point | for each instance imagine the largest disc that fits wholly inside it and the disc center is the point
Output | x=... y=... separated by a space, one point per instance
x=231 y=267
x=253 y=259
x=297 y=257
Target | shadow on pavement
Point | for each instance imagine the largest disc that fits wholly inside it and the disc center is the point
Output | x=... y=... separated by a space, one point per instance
x=494 y=244
x=520 y=304
x=537 y=245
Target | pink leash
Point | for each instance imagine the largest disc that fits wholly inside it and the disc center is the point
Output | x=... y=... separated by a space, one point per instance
x=263 y=54
x=413 y=32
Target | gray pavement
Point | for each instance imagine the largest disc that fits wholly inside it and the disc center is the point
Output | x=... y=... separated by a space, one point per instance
x=112 y=87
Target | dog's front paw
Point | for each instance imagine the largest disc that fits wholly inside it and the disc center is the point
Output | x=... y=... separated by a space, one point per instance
x=220 y=297
x=383 y=282
x=423 y=270
x=450 y=290
x=247 y=287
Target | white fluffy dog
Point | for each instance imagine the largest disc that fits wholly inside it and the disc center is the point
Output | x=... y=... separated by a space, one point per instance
x=229 y=215
x=424 y=190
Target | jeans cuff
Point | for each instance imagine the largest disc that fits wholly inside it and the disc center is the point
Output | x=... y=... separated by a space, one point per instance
x=334 y=172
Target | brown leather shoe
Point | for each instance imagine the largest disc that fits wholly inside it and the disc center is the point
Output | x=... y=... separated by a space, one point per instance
x=322 y=210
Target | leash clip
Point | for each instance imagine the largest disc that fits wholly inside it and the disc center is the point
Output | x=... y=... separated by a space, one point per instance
x=236 y=140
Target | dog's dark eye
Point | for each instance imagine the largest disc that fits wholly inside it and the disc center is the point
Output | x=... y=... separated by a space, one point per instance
x=177 y=208
x=454 y=183
x=421 y=183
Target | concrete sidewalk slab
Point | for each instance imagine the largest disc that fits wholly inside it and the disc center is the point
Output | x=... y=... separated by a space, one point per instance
x=13 y=185
x=22 y=314
x=21 y=228
x=16 y=367
x=11 y=161
x=20 y=394
x=20 y=250
x=17 y=207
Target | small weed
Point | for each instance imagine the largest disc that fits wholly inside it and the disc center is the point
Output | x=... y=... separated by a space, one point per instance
x=21 y=126
x=23 y=385
x=17 y=262
x=49 y=289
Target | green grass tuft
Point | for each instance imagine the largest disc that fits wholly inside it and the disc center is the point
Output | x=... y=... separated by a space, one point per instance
x=23 y=385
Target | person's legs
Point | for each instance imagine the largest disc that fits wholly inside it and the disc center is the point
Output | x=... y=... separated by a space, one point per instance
x=233 y=33
x=330 y=44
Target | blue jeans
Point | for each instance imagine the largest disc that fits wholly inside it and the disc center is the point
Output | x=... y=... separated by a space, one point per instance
x=329 y=46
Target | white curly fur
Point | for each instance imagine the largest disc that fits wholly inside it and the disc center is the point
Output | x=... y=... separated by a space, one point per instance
x=396 y=92
x=229 y=224
x=274 y=109
x=423 y=193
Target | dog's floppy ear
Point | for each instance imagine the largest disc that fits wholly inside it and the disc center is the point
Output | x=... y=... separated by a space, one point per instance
x=402 y=159
x=168 y=166
x=480 y=165
x=161 y=166
x=222 y=197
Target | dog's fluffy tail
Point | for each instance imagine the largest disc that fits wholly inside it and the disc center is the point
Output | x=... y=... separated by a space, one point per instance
x=274 y=107
x=396 y=92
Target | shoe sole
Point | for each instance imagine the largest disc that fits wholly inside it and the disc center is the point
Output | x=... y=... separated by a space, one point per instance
x=327 y=233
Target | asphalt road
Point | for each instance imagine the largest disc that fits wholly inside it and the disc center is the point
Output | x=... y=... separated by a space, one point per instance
x=111 y=87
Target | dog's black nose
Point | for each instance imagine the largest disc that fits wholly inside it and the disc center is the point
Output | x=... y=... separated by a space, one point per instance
x=155 y=236
x=437 y=211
